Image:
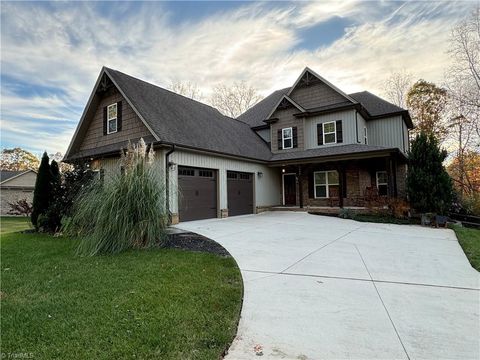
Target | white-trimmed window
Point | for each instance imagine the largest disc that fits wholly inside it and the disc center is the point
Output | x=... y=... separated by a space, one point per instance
x=112 y=118
x=287 y=138
x=326 y=184
x=382 y=182
x=365 y=135
x=329 y=132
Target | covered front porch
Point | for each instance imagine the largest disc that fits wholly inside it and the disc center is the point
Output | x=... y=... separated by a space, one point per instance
x=318 y=184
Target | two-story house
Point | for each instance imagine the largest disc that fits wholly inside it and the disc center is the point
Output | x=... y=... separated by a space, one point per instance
x=306 y=146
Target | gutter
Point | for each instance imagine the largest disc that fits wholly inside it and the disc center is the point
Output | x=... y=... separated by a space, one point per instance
x=167 y=182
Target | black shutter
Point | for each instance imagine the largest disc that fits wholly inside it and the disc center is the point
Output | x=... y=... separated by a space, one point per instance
x=339 y=131
x=279 y=136
x=294 y=135
x=311 y=193
x=105 y=120
x=319 y=134
x=119 y=116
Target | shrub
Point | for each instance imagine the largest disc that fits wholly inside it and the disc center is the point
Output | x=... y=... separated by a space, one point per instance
x=20 y=207
x=429 y=186
x=41 y=194
x=125 y=211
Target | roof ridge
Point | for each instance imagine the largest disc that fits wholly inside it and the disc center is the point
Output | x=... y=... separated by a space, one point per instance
x=164 y=89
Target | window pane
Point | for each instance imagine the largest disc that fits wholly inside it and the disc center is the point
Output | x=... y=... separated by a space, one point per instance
x=382 y=177
x=329 y=138
x=329 y=127
x=333 y=191
x=382 y=190
x=112 y=126
x=333 y=178
x=321 y=191
x=112 y=111
x=287 y=133
x=320 y=178
x=287 y=143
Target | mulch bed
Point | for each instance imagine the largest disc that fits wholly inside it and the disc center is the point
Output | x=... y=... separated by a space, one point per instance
x=194 y=242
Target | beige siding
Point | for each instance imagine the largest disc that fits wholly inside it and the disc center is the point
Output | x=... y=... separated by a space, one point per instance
x=27 y=179
x=286 y=120
x=12 y=196
x=389 y=132
x=348 y=127
x=132 y=126
x=316 y=95
x=267 y=187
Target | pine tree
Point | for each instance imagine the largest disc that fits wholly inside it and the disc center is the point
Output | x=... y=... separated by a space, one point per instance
x=41 y=194
x=429 y=186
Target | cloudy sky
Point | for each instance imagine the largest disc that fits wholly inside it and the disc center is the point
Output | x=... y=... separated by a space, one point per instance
x=52 y=52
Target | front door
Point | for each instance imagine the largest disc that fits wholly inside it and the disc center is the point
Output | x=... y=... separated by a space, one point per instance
x=289 y=190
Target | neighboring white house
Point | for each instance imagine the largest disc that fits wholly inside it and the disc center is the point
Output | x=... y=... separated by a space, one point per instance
x=14 y=186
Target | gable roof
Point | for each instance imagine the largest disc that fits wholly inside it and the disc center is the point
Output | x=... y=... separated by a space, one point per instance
x=176 y=119
x=322 y=79
x=7 y=175
x=289 y=100
x=259 y=112
x=375 y=107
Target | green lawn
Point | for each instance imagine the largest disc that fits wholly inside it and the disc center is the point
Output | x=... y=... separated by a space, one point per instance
x=469 y=239
x=157 y=304
x=10 y=224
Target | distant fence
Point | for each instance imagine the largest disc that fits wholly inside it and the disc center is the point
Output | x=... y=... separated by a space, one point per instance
x=467 y=220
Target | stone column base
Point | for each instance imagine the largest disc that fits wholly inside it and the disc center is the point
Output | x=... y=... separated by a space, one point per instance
x=223 y=213
x=174 y=219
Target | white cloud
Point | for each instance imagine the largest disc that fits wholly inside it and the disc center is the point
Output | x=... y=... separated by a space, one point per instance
x=64 y=45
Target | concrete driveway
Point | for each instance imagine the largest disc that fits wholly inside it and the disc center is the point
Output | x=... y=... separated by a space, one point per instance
x=325 y=288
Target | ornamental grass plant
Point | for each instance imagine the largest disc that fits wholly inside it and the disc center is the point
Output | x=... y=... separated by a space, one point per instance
x=122 y=211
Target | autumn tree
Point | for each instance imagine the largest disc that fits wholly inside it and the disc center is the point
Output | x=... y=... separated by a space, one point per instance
x=465 y=173
x=426 y=103
x=187 y=89
x=234 y=100
x=18 y=159
x=396 y=87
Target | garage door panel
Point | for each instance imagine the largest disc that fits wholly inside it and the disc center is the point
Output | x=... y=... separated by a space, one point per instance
x=197 y=193
x=240 y=193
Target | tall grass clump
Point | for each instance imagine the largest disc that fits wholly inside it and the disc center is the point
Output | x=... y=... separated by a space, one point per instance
x=122 y=211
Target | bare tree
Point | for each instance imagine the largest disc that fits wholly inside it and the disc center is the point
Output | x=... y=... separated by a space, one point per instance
x=187 y=89
x=235 y=99
x=396 y=87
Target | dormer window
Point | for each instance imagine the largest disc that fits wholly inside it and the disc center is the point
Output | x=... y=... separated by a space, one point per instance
x=329 y=133
x=112 y=111
x=287 y=138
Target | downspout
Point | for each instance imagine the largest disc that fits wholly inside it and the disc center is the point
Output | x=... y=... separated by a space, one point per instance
x=167 y=182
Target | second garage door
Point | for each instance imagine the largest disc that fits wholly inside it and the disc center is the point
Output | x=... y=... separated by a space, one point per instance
x=197 y=198
x=240 y=193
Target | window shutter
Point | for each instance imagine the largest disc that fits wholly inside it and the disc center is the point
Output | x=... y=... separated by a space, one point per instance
x=339 y=131
x=105 y=120
x=119 y=116
x=280 y=145
x=311 y=193
x=294 y=135
x=319 y=134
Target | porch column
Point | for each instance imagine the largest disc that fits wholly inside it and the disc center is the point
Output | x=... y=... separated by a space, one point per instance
x=300 y=186
x=391 y=168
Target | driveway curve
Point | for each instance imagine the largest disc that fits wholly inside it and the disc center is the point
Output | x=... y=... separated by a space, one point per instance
x=326 y=288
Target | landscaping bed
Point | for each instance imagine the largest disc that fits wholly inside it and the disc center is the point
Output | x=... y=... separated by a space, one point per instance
x=145 y=304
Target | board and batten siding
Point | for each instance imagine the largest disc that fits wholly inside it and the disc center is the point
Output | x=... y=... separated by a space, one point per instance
x=348 y=128
x=388 y=132
x=132 y=125
x=267 y=187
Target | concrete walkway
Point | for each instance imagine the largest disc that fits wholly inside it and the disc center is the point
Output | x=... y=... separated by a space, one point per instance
x=325 y=288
